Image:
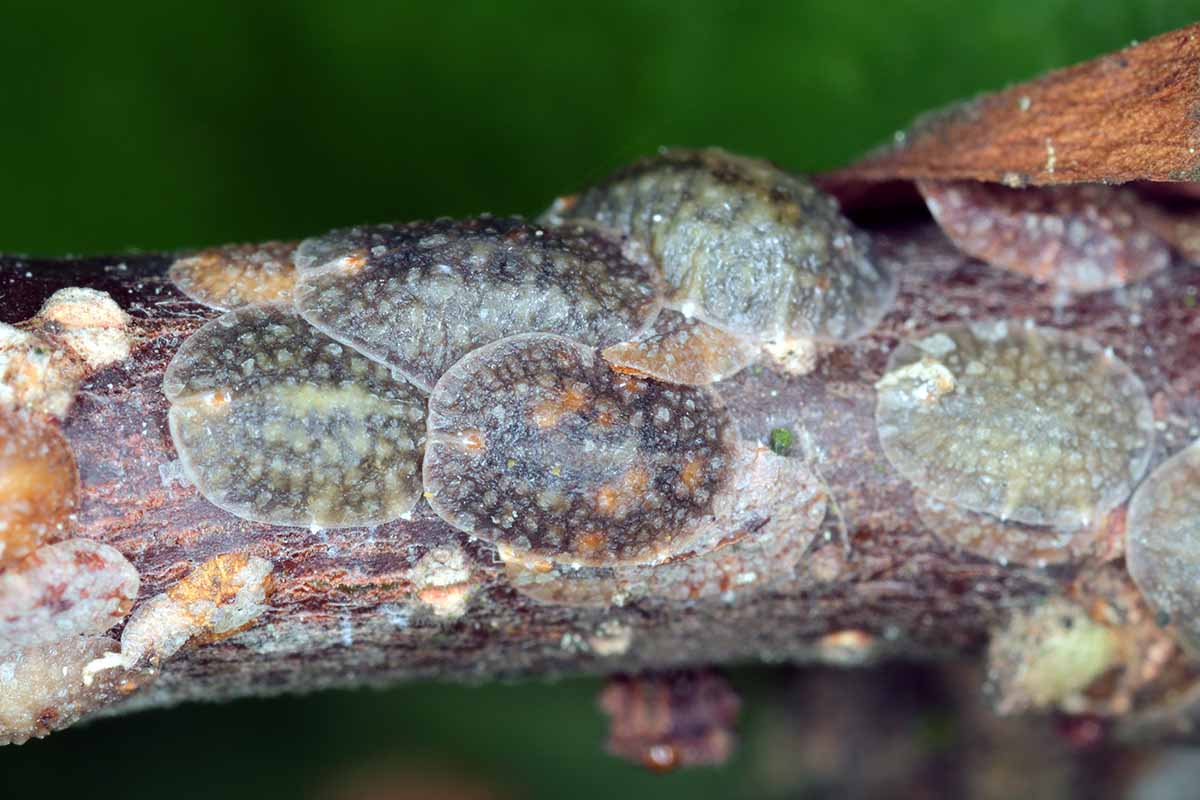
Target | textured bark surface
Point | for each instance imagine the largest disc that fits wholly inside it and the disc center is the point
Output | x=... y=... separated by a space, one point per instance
x=1129 y=115
x=347 y=607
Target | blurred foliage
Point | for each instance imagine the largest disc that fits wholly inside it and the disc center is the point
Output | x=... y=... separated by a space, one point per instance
x=158 y=125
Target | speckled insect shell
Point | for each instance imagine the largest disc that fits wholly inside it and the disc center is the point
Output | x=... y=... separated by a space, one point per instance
x=276 y=422
x=536 y=444
x=744 y=245
x=1163 y=547
x=1029 y=424
x=422 y=295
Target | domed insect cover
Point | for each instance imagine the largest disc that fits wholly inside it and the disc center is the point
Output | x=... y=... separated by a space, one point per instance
x=421 y=296
x=1028 y=424
x=1164 y=539
x=536 y=444
x=743 y=245
x=276 y=422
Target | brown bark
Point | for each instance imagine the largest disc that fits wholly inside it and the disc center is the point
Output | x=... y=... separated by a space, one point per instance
x=1129 y=115
x=346 y=608
x=356 y=606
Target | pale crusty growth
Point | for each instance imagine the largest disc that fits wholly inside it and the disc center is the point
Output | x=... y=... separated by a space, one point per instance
x=443 y=581
x=42 y=688
x=743 y=245
x=1163 y=541
x=236 y=275
x=777 y=509
x=422 y=295
x=1016 y=543
x=276 y=422
x=1028 y=424
x=1081 y=238
x=72 y=588
x=682 y=350
x=39 y=484
x=89 y=322
x=36 y=373
x=535 y=443
x=1046 y=656
x=222 y=596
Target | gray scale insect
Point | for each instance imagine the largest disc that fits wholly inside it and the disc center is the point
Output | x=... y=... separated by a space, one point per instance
x=743 y=245
x=421 y=296
x=1163 y=537
x=276 y=422
x=1028 y=424
x=312 y=412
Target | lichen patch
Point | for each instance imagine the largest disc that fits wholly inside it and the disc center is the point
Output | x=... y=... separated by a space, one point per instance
x=421 y=296
x=1045 y=656
x=72 y=588
x=276 y=422
x=578 y=463
x=1027 y=424
x=236 y=275
x=39 y=484
x=743 y=245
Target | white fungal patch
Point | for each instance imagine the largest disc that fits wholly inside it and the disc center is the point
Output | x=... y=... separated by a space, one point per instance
x=419 y=297
x=1036 y=426
x=777 y=508
x=90 y=323
x=443 y=581
x=1163 y=542
x=72 y=588
x=744 y=245
x=236 y=275
x=42 y=687
x=220 y=597
x=537 y=444
x=276 y=422
x=682 y=350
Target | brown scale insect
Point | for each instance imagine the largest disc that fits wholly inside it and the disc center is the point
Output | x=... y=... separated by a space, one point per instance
x=1008 y=542
x=682 y=350
x=1083 y=238
x=236 y=275
x=72 y=588
x=421 y=296
x=536 y=444
x=39 y=484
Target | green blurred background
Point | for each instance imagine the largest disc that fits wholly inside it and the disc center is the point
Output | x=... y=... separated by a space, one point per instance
x=150 y=125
